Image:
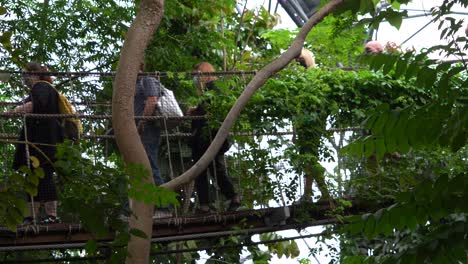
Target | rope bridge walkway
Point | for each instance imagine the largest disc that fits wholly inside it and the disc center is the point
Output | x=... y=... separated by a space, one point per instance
x=164 y=229
x=174 y=158
x=173 y=229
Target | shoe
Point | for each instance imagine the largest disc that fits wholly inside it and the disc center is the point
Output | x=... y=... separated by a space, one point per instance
x=123 y=218
x=28 y=221
x=234 y=206
x=162 y=213
x=204 y=209
x=50 y=219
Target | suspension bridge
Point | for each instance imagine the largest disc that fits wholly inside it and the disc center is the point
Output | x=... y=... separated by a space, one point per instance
x=85 y=89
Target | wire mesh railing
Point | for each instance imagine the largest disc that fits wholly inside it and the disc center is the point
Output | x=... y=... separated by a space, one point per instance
x=90 y=93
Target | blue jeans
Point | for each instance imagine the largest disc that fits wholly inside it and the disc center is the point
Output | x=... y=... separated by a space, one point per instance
x=151 y=138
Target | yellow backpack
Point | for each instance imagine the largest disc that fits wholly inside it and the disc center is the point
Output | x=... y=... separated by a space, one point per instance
x=72 y=127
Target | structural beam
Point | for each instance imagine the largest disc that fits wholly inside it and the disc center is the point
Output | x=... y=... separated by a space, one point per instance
x=63 y=236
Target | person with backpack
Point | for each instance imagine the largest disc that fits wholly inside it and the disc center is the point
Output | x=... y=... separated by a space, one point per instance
x=201 y=140
x=148 y=90
x=44 y=134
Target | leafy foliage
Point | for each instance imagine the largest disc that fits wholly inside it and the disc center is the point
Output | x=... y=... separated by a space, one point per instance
x=195 y=31
x=77 y=33
x=96 y=194
x=412 y=153
x=13 y=191
x=426 y=222
x=102 y=188
x=288 y=249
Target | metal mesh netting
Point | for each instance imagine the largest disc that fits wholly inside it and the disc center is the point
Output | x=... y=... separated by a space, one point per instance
x=256 y=162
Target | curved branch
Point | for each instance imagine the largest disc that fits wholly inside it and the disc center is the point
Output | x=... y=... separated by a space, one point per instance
x=138 y=36
x=259 y=79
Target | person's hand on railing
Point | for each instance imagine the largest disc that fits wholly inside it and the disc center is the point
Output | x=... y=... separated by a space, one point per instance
x=24 y=108
x=191 y=111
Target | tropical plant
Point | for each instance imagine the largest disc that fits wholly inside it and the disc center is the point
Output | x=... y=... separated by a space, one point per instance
x=427 y=219
x=409 y=160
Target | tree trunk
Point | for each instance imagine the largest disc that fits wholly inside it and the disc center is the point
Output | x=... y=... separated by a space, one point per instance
x=138 y=36
x=259 y=79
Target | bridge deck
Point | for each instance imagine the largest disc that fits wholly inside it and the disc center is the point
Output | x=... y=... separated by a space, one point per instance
x=63 y=235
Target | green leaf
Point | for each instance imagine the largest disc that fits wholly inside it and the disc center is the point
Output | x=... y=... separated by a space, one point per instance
x=31 y=189
x=401 y=131
x=119 y=256
x=369 y=122
x=395 y=217
x=443 y=85
x=294 y=249
x=364 y=6
x=121 y=239
x=395 y=20
x=355 y=148
x=138 y=233
x=414 y=135
x=411 y=71
x=369 y=147
x=33 y=180
x=411 y=220
x=428 y=77
x=378 y=214
x=389 y=131
x=369 y=229
x=91 y=247
x=39 y=173
x=443 y=66
x=191 y=244
x=380 y=123
x=400 y=68
x=459 y=140
x=384 y=226
x=355 y=225
x=6 y=37
x=22 y=206
x=377 y=61
x=457 y=185
x=421 y=215
x=11 y=223
x=455 y=70
x=380 y=148
x=438 y=211
x=16 y=214
x=396 y=5
x=388 y=66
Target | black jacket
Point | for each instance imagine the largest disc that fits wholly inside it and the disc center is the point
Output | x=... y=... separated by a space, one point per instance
x=202 y=134
x=40 y=130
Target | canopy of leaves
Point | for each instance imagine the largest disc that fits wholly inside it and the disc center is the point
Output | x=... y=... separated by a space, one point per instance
x=409 y=159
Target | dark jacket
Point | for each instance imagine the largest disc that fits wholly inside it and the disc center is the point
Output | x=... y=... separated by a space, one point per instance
x=40 y=130
x=202 y=133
